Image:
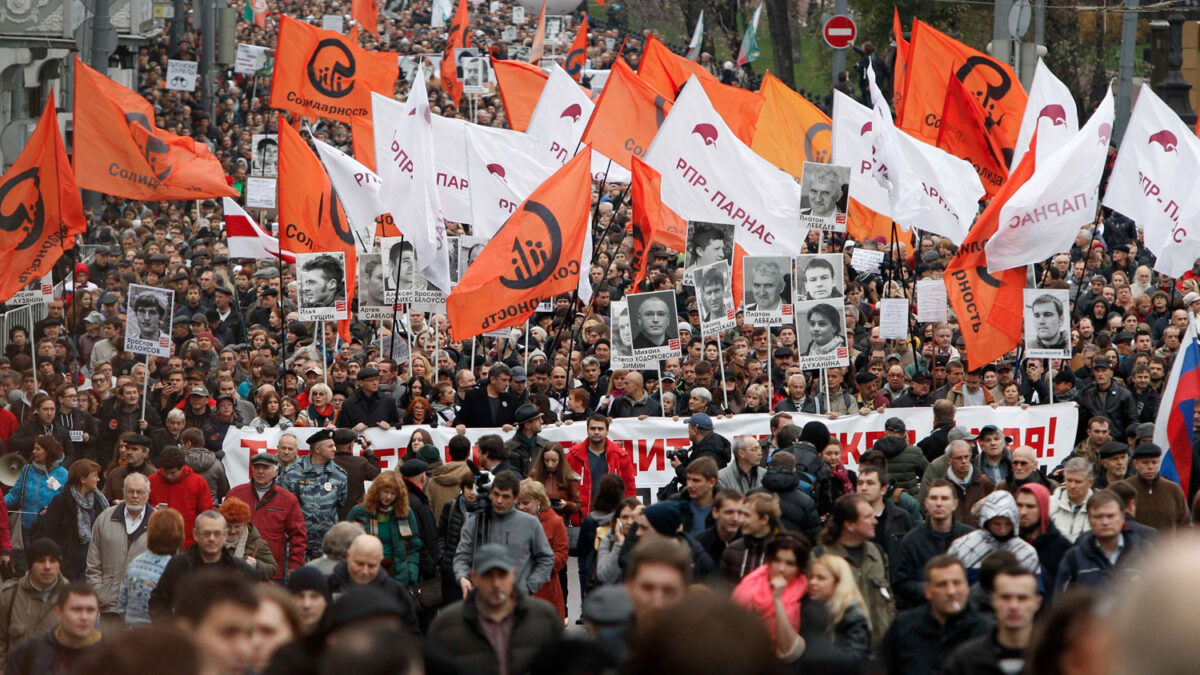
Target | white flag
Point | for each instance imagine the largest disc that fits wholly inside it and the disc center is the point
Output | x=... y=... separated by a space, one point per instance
x=708 y=174
x=404 y=159
x=854 y=146
x=357 y=188
x=1043 y=216
x=502 y=172
x=559 y=118
x=927 y=187
x=1050 y=100
x=245 y=238
x=1154 y=181
x=450 y=159
x=693 y=52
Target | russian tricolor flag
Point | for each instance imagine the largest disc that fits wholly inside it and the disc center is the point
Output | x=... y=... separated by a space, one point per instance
x=1176 y=415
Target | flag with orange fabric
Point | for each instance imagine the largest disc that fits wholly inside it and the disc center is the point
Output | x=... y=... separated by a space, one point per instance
x=933 y=57
x=652 y=222
x=320 y=73
x=520 y=86
x=456 y=38
x=539 y=37
x=363 y=132
x=789 y=121
x=537 y=254
x=863 y=224
x=964 y=135
x=988 y=308
x=900 y=69
x=311 y=217
x=40 y=208
x=577 y=55
x=626 y=117
x=122 y=151
x=366 y=14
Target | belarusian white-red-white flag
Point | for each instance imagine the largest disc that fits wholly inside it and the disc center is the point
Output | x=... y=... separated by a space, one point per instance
x=854 y=146
x=709 y=174
x=1154 y=182
x=1049 y=100
x=246 y=239
x=404 y=161
x=927 y=187
x=502 y=173
x=357 y=188
x=1044 y=215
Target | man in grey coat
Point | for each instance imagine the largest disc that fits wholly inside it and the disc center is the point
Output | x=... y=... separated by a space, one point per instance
x=743 y=473
x=118 y=536
x=520 y=532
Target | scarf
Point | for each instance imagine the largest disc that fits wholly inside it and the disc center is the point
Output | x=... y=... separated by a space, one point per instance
x=238 y=548
x=83 y=512
x=842 y=474
x=755 y=594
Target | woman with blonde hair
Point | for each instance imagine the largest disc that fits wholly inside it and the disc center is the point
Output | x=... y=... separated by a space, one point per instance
x=320 y=412
x=533 y=500
x=384 y=512
x=832 y=583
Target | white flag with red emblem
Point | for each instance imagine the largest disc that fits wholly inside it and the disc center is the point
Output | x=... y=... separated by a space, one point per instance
x=927 y=187
x=1154 y=182
x=1044 y=215
x=1049 y=100
x=502 y=173
x=404 y=161
x=708 y=174
x=246 y=239
x=449 y=134
x=558 y=120
x=854 y=146
x=357 y=189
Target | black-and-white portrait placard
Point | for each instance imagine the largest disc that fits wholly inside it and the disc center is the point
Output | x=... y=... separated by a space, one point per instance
x=767 y=290
x=1047 y=326
x=819 y=277
x=654 y=324
x=322 y=278
x=264 y=157
x=148 y=327
x=372 y=288
x=621 y=339
x=714 y=296
x=821 y=334
x=825 y=195
x=707 y=243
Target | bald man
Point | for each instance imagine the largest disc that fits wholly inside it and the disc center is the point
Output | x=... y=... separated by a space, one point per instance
x=363 y=568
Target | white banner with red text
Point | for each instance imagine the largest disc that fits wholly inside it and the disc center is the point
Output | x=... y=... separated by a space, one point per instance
x=1048 y=429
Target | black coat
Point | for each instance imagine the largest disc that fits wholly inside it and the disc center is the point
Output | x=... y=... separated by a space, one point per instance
x=798 y=511
x=1051 y=548
x=916 y=644
x=450 y=525
x=419 y=502
x=893 y=524
x=340 y=582
x=477 y=412
x=1120 y=407
x=60 y=523
x=909 y=558
x=977 y=656
x=22 y=439
x=162 y=598
x=369 y=410
x=934 y=445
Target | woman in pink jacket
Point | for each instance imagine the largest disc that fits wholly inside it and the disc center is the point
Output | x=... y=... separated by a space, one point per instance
x=774 y=590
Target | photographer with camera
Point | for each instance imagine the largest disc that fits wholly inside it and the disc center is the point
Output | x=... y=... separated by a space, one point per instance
x=497 y=520
x=358 y=468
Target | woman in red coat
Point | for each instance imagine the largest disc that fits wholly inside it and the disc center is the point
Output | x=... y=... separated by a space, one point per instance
x=533 y=500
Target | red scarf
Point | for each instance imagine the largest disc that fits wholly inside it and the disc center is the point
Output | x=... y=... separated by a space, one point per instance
x=842 y=474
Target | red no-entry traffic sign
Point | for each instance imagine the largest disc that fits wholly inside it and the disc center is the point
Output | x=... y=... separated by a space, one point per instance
x=839 y=31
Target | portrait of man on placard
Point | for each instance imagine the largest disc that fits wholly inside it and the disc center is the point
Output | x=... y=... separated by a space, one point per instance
x=372 y=283
x=652 y=319
x=820 y=277
x=1047 y=328
x=766 y=283
x=265 y=161
x=322 y=280
x=708 y=243
x=824 y=189
x=151 y=307
x=402 y=265
x=713 y=287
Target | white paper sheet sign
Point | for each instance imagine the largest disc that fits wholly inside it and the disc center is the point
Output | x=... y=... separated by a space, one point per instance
x=333 y=22
x=249 y=59
x=518 y=15
x=260 y=192
x=182 y=75
x=866 y=261
x=931 y=300
x=893 y=319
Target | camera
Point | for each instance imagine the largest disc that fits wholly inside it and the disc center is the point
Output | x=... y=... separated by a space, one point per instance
x=483 y=485
x=681 y=455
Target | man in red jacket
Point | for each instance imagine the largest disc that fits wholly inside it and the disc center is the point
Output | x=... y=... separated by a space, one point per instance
x=276 y=513
x=177 y=486
x=597 y=456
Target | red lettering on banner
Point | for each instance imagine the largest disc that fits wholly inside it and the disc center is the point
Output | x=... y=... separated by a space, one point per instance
x=651 y=452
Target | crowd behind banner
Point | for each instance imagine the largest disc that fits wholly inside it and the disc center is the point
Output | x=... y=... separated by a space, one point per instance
x=218 y=463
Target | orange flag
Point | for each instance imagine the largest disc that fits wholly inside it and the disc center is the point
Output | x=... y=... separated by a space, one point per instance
x=653 y=222
x=539 y=38
x=311 y=218
x=320 y=73
x=520 y=87
x=122 y=151
x=989 y=309
x=535 y=255
x=626 y=117
x=789 y=121
x=863 y=224
x=40 y=208
x=578 y=54
x=456 y=38
x=362 y=131
x=964 y=135
x=366 y=14
x=900 y=69
x=935 y=56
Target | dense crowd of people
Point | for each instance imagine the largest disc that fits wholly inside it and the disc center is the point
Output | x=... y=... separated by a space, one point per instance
x=127 y=547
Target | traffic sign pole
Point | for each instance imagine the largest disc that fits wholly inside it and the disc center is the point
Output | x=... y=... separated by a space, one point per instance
x=839 y=55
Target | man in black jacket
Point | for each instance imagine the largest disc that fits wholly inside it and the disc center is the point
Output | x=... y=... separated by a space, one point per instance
x=892 y=522
x=925 y=541
x=934 y=445
x=1106 y=397
x=798 y=511
x=363 y=568
x=208 y=553
x=368 y=407
x=358 y=468
x=919 y=640
x=1016 y=600
x=1033 y=516
x=489 y=406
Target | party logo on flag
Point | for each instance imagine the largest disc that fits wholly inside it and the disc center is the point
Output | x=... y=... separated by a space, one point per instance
x=1055 y=113
x=573 y=111
x=497 y=171
x=331 y=68
x=1165 y=139
x=535 y=259
x=21 y=207
x=707 y=132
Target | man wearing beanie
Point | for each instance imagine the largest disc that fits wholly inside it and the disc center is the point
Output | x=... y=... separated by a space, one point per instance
x=660 y=521
x=179 y=487
x=311 y=590
x=27 y=604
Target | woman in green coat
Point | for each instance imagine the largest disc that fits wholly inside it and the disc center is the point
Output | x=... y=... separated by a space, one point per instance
x=384 y=512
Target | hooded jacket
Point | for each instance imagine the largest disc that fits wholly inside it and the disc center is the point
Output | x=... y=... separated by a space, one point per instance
x=189 y=496
x=206 y=463
x=1070 y=519
x=973 y=547
x=443 y=483
x=36 y=487
x=906 y=463
x=798 y=511
x=1050 y=544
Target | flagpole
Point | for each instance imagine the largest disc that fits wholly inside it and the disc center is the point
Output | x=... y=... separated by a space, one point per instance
x=324 y=346
x=770 y=374
x=33 y=351
x=395 y=297
x=721 y=363
x=145 y=388
x=526 y=346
